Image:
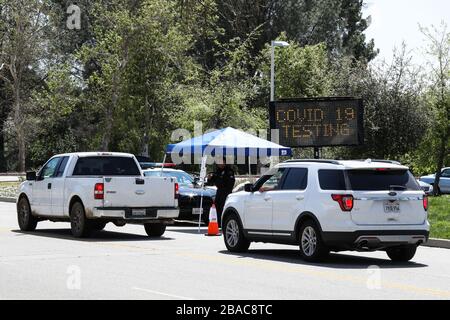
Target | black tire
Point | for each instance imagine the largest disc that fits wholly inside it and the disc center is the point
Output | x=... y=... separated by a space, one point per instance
x=27 y=222
x=401 y=254
x=155 y=229
x=233 y=234
x=81 y=226
x=311 y=245
x=98 y=225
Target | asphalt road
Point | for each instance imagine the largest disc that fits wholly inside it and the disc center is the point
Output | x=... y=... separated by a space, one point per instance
x=123 y=263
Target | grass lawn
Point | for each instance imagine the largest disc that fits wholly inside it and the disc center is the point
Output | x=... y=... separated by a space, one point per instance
x=8 y=189
x=439 y=216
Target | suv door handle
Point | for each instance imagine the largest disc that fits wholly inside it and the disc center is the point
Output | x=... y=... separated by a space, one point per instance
x=267 y=198
x=49 y=185
x=300 y=197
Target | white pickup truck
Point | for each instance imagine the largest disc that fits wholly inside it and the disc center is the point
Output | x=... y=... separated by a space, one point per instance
x=90 y=189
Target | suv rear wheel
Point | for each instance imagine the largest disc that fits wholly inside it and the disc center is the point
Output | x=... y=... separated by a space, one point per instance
x=155 y=229
x=312 y=247
x=27 y=222
x=79 y=224
x=401 y=254
x=233 y=235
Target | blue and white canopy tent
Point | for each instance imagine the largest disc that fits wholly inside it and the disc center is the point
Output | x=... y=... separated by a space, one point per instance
x=226 y=142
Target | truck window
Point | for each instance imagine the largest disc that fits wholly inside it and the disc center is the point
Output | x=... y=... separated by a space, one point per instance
x=106 y=166
x=62 y=166
x=372 y=180
x=49 y=169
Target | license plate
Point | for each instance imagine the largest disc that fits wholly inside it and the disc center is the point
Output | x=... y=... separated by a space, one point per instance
x=392 y=206
x=197 y=211
x=138 y=212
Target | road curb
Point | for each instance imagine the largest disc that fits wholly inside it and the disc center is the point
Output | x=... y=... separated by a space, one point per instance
x=4 y=199
x=437 y=243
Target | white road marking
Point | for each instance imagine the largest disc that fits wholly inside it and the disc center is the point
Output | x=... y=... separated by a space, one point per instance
x=163 y=294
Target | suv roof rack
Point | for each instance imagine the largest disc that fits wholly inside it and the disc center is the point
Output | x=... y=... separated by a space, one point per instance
x=313 y=160
x=380 y=160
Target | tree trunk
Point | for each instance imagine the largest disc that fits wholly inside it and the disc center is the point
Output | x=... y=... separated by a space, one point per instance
x=2 y=148
x=440 y=163
x=18 y=123
x=21 y=147
x=109 y=115
x=106 y=140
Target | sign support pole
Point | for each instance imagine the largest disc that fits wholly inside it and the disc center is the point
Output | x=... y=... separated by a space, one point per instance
x=316 y=153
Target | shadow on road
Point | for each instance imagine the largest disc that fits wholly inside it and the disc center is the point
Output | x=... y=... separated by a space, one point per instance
x=186 y=223
x=99 y=236
x=203 y=230
x=335 y=260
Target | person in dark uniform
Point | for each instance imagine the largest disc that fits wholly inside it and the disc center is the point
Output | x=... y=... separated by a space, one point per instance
x=223 y=179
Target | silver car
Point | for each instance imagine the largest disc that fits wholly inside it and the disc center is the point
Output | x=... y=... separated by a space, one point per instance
x=444 y=182
x=426 y=187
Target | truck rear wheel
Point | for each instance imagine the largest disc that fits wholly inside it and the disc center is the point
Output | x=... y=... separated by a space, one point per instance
x=155 y=229
x=98 y=225
x=27 y=222
x=80 y=225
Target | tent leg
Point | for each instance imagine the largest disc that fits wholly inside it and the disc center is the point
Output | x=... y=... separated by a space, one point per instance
x=201 y=204
x=164 y=161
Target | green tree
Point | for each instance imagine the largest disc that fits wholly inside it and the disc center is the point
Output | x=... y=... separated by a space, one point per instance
x=439 y=94
x=24 y=22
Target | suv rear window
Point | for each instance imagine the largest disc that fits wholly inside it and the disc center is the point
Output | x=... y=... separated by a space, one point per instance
x=332 y=179
x=106 y=166
x=381 y=180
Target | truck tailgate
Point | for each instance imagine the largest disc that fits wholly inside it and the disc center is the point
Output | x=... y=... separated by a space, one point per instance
x=138 y=192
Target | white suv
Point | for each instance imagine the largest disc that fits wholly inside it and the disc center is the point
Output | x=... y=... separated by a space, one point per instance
x=330 y=205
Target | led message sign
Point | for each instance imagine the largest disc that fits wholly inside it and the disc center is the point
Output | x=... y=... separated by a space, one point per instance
x=317 y=122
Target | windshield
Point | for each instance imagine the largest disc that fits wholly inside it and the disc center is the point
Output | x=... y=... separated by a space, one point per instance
x=183 y=178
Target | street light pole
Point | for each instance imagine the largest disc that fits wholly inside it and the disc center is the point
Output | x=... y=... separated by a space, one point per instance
x=272 y=71
x=274 y=44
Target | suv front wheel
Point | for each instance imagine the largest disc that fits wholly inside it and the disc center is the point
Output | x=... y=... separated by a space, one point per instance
x=312 y=247
x=233 y=235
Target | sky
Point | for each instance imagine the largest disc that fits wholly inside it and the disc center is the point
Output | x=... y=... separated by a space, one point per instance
x=395 y=21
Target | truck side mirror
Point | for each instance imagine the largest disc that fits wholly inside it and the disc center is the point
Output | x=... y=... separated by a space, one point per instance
x=248 y=187
x=31 y=176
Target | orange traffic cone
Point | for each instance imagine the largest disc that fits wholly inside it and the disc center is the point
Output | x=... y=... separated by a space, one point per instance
x=213 y=226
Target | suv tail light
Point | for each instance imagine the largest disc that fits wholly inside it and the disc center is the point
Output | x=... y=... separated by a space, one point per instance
x=425 y=202
x=176 y=191
x=345 y=201
x=99 y=190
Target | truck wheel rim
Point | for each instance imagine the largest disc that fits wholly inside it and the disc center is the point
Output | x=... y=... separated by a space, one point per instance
x=232 y=233
x=23 y=210
x=77 y=219
x=309 y=241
